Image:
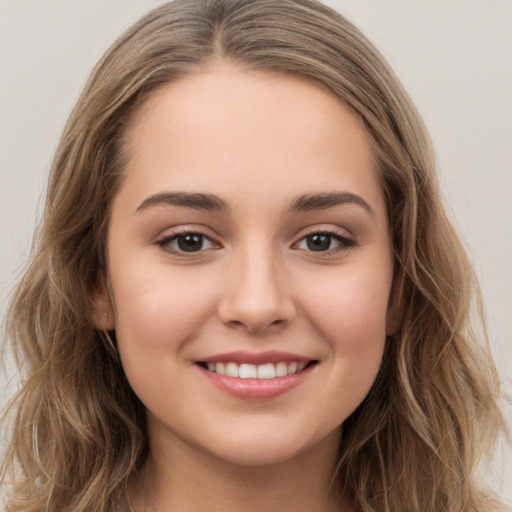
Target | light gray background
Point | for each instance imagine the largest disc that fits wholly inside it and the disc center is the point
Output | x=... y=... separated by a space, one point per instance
x=454 y=57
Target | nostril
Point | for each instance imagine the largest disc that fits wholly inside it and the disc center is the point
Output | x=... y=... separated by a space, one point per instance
x=256 y=306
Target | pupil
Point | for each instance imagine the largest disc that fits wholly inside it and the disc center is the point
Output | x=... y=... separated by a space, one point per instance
x=319 y=242
x=190 y=243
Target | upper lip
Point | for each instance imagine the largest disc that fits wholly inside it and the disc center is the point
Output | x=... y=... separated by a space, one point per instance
x=255 y=358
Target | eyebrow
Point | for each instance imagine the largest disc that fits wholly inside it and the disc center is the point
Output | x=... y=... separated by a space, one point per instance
x=195 y=200
x=323 y=201
x=213 y=203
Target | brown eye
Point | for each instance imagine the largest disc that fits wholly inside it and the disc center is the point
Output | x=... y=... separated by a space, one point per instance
x=190 y=242
x=324 y=242
x=319 y=242
x=182 y=243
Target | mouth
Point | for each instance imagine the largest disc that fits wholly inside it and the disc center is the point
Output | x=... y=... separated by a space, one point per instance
x=252 y=376
x=253 y=371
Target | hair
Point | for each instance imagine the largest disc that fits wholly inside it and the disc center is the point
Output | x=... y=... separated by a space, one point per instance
x=77 y=429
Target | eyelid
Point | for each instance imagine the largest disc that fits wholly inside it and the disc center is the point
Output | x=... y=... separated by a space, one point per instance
x=347 y=242
x=164 y=241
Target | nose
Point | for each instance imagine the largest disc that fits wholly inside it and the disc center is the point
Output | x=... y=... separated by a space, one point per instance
x=256 y=294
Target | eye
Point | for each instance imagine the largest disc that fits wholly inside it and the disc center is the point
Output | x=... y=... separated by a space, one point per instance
x=187 y=242
x=324 y=242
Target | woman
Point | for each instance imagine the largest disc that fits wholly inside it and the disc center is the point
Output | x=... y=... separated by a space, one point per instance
x=246 y=292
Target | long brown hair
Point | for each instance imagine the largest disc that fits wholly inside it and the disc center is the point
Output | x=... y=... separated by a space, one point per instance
x=78 y=432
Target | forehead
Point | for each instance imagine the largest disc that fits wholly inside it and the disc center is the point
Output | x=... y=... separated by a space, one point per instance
x=226 y=130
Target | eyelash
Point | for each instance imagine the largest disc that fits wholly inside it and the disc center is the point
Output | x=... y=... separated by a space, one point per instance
x=164 y=243
x=345 y=243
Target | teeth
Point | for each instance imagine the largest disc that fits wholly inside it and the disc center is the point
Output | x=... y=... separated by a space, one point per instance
x=252 y=371
x=266 y=371
x=281 y=369
x=247 y=371
x=292 y=367
x=232 y=370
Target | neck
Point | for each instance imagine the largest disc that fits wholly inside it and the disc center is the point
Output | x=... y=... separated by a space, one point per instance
x=191 y=480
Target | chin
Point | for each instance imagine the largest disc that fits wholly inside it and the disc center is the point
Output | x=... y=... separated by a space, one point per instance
x=278 y=448
x=258 y=456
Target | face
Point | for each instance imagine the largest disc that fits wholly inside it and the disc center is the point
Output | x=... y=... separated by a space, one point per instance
x=249 y=266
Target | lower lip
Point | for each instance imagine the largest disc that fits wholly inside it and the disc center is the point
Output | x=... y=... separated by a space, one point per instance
x=257 y=389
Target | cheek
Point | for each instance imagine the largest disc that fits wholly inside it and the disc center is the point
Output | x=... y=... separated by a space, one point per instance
x=350 y=313
x=350 y=309
x=157 y=314
x=157 y=310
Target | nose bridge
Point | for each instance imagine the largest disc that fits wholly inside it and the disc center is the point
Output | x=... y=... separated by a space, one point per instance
x=257 y=295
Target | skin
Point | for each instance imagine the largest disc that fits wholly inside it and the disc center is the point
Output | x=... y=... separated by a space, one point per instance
x=257 y=141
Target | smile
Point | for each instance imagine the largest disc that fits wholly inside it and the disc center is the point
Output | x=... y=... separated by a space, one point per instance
x=261 y=371
x=256 y=376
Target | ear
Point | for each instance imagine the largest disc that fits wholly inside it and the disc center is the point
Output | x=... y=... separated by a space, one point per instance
x=103 y=312
x=394 y=311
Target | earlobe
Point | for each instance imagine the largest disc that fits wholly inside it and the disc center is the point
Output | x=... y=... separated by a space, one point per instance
x=103 y=313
